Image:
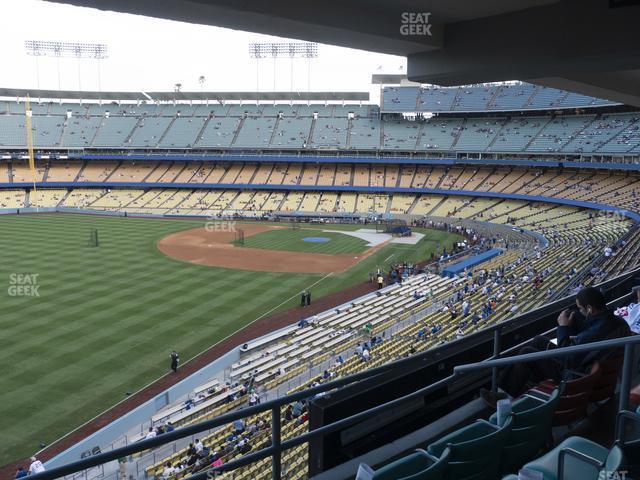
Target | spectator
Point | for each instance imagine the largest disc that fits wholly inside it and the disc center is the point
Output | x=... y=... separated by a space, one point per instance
x=151 y=433
x=36 y=466
x=288 y=414
x=593 y=322
x=238 y=426
x=198 y=446
x=168 y=470
x=21 y=472
x=297 y=409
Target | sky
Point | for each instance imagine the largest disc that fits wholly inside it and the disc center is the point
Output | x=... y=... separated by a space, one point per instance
x=149 y=54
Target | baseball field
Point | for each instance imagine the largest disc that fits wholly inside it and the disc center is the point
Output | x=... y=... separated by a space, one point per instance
x=82 y=326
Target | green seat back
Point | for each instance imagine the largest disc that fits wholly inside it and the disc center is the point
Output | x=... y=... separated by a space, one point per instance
x=530 y=431
x=475 y=450
x=415 y=466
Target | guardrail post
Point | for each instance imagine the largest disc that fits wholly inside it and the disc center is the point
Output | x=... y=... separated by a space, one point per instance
x=497 y=337
x=276 y=465
x=625 y=384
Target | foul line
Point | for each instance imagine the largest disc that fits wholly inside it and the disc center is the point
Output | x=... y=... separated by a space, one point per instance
x=292 y=297
x=159 y=378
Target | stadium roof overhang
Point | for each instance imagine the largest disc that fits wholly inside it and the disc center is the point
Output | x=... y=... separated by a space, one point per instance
x=588 y=46
x=188 y=96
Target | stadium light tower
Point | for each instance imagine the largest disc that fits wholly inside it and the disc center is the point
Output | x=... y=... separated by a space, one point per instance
x=289 y=50
x=42 y=48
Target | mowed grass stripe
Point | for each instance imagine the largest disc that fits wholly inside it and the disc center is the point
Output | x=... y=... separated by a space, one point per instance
x=107 y=317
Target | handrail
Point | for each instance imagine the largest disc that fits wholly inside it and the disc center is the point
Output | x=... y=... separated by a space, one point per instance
x=542 y=355
x=274 y=405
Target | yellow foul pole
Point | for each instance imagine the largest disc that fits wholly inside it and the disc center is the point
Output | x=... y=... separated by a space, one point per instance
x=32 y=163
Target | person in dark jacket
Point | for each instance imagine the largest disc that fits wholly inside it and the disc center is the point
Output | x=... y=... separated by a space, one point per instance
x=303 y=298
x=591 y=322
x=175 y=359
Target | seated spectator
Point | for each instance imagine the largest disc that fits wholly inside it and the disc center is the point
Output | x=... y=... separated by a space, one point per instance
x=191 y=450
x=288 y=413
x=303 y=418
x=198 y=446
x=168 y=470
x=238 y=426
x=297 y=409
x=21 y=472
x=36 y=466
x=593 y=322
x=631 y=312
x=245 y=447
x=151 y=433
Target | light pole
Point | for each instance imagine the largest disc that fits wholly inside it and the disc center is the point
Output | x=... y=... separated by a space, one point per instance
x=289 y=50
x=91 y=51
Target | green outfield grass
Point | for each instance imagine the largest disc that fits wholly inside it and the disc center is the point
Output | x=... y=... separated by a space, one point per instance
x=105 y=319
x=293 y=240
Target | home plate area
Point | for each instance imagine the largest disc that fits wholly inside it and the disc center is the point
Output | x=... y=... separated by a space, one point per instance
x=374 y=238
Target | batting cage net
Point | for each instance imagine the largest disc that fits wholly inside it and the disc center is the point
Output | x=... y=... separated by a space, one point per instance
x=239 y=238
x=395 y=227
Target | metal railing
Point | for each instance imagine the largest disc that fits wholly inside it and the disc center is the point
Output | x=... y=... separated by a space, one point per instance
x=278 y=446
x=274 y=406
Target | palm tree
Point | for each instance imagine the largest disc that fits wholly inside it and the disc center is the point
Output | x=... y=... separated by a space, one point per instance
x=202 y=80
x=177 y=87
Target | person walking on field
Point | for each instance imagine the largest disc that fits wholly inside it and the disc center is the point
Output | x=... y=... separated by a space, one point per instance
x=175 y=359
x=380 y=282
